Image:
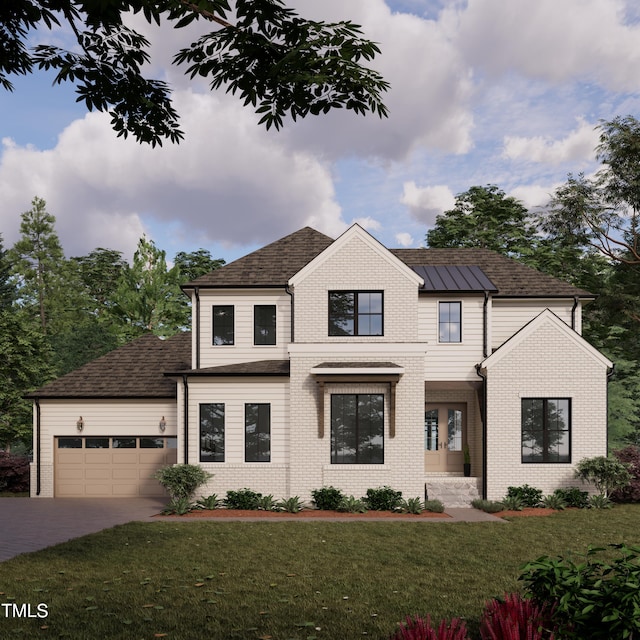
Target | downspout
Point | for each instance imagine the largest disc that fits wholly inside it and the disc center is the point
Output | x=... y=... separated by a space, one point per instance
x=196 y=293
x=573 y=312
x=483 y=414
x=186 y=417
x=286 y=288
x=38 y=447
x=485 y=338
x=609 y=376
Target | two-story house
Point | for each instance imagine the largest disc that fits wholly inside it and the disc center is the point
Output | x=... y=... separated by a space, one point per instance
x=316 y=362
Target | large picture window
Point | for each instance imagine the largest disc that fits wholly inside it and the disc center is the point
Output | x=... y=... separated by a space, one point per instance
x=212 y=432
x=257 y=432
x=357 y=428
x=264 y=324
x=450 y=322
x=546 y=430
x=223 y=324
x=355 y=313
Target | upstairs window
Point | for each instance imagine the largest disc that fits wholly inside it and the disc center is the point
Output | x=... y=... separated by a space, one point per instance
x=355 y=313
x=223 y=324
x=546 y=430
x=264 y=324
x=450 y=322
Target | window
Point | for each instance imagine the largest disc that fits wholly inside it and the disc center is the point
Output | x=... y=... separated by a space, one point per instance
x=223 y=324
x=96 y=443
x=546 y=430
x=212 y=432
x=69 y=443
x=257 y=433
x=152 y=443
x=264 y=324
x=357 y=428
x=450 y=322
x=355 y=313
x=124 y=443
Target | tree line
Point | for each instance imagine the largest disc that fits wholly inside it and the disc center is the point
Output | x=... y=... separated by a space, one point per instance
x=58 y=313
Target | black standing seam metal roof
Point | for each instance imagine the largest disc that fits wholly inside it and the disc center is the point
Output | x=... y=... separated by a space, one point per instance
x=454 y=278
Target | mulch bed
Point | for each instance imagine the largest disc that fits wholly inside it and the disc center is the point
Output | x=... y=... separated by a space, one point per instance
x=307 y=513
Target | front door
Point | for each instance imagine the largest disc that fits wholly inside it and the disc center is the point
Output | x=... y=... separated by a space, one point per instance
x=444 y=436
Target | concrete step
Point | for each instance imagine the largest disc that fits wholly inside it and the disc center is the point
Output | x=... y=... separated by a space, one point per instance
x=453 y=492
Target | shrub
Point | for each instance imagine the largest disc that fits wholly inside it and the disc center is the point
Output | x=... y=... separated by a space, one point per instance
x=605 y=473
x=383 y=499
x=417 y=628
x=327 y=498
x=434 y=506
x=554 y=501
x=182 y=480
x=412 y=505
x=243 y=499
x=209 y=503
x=512 y=503
x=352 y=505
x=514 y=618
x=489 y=506
x=631 y=493
x=573 y=497
x=600 y=502
x=267 y=503
x=594 y=598
x=290 y=505
x=529 y=496
x=178 y=506
x=14 y=472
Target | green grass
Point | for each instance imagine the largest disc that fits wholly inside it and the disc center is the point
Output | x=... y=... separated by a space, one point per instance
x=250 y=580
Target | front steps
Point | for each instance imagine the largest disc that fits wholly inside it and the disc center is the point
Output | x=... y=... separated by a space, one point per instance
x=453 y=491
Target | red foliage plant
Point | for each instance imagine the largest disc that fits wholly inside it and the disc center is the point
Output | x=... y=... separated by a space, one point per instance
x=418 y=628
x=515 y=618
x=14 y=472
x=630 y=493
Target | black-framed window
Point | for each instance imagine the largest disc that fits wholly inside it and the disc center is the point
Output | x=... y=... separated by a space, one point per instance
x=357 y=428
x=223 y=324
x=257 y=432
x=546 y=430
x=264 y=324
x=356 y=313
x=450 y=322
x=212 y=432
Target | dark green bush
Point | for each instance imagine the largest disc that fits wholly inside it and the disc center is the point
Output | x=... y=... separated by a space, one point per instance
x=243 y=499
x=594 y=598
x=327 y=498
x=383 y=499
x=178 y=506
x=488 y=506
x=529 y=496
x=435 y=506
x=574 y=497
x=182 y=480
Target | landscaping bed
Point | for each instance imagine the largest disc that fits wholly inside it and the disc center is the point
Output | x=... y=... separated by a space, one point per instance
x=323 y=514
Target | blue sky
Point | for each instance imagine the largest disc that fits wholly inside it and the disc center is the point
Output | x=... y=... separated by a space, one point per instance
x=483 y=92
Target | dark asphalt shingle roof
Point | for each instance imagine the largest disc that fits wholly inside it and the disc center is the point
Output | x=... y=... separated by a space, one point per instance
x=132 y=371
x=255 y=368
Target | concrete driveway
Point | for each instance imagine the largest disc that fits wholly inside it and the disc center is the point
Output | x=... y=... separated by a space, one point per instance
x=28 y=524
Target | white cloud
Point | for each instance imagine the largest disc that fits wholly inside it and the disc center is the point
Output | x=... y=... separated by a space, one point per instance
x=555 y=41
x=404 y=239
x=367 y=223
x=425 y=203
x=577 y=147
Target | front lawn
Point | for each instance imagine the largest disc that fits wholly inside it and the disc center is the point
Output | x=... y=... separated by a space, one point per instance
x=188 y=580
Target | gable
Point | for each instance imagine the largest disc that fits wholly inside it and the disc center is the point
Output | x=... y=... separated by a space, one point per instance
x=352 y=237
x=550 y=319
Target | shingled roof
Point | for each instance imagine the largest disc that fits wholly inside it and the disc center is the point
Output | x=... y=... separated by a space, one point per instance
x=276 y=263
x=273 y=265
x=132 y=371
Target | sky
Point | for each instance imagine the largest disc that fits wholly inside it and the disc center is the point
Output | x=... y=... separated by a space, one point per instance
x=482 y=92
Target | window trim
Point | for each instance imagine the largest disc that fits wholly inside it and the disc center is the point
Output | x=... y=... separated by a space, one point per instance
x=545 y=429
x=213 y=325
x=357 y=429
x=440 y=303
x=255 y=325
x=224 y=430
x=356 y=333
x=257 y=404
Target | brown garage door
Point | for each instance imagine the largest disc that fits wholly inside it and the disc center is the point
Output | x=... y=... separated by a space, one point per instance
x=111 y=467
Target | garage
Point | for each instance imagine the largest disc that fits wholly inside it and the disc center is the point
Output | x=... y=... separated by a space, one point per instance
x=110 y=466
